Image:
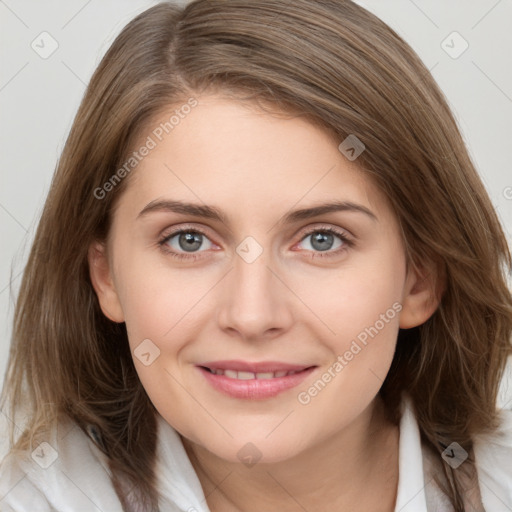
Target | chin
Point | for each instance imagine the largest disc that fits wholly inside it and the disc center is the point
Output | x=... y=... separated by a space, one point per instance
x=255 y=449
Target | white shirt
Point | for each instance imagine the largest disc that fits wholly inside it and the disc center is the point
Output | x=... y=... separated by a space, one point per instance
x=76 y=476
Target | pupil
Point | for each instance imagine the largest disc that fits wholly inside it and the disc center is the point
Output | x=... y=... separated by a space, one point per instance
x=320 y=239
x=190 y=241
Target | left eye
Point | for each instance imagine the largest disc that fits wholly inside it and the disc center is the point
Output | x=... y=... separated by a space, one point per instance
x=187 y=240
x=324 y=240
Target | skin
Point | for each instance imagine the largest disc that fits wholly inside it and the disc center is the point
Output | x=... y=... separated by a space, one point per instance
x=287 y=305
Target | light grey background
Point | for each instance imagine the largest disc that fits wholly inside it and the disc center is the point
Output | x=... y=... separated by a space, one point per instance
x=39 y=97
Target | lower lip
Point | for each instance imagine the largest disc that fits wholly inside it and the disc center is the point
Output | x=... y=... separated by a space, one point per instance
x=255 y=389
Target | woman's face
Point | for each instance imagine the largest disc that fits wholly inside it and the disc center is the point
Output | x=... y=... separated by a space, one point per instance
x=258 y=285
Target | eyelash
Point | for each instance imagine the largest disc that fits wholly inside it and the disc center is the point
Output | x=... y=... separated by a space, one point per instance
x=347 y=243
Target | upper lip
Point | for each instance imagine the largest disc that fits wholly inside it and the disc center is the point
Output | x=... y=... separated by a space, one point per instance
x=255 y=367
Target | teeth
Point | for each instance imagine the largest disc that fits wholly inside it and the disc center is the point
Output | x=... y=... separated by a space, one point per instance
x=268 y=375
x=243 y=375
x=246 y=376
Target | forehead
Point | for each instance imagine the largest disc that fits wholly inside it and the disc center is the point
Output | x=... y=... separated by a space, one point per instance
x=234 y=154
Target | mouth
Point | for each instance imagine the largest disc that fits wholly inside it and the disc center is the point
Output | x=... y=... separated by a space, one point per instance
x=240 y=379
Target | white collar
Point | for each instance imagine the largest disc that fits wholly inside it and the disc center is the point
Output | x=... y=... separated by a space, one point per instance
x=493 y=457
x=23 y=483
x=411 y=482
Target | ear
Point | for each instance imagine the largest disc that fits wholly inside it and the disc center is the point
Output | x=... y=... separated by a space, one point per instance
x=422 y=295
x=101 y=279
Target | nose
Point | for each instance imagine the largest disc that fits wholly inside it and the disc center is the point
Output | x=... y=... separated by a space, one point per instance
x=256 y=302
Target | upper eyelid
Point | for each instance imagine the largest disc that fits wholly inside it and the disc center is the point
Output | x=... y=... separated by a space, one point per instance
x=173 y=232
x=326 y=227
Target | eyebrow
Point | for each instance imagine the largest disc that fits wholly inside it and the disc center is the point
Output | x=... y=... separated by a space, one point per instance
x=213 y=213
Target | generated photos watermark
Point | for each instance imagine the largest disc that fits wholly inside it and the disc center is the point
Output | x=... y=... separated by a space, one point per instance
x=156 y=136
x=356 y=346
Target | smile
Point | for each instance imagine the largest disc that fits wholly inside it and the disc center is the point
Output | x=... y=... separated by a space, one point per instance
x=253 y=381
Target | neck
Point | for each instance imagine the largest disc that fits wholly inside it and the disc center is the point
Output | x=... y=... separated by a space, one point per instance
x=342 y=472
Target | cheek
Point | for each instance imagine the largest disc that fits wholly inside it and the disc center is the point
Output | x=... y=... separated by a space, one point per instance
x=148 y=314
x=360 y=308
x=154 y=297
x=165 y=309
x=155 y=301
x=354 y=297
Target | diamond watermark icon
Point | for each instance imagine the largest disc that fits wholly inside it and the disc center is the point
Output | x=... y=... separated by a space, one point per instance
x=44 y=45
x=454 y=45
x=249 y=455
x=351 y=147
x=454 y=455
x=146 y=352
x=45 y=455
x=249 y=249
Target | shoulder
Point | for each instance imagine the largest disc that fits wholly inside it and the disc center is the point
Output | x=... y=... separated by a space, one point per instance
x=493 y=460
x=67 y=471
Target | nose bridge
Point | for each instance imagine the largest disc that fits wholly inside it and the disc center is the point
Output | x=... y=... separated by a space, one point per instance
x=251 y=273
x=253 y=300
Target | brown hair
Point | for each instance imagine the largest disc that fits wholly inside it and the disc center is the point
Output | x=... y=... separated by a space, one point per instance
x=347 y=71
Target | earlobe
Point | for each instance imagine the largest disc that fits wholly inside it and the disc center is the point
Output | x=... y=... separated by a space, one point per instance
x=421 y=297
x=101 y=279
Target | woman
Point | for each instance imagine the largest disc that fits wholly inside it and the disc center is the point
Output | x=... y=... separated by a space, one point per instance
x=267 y=277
